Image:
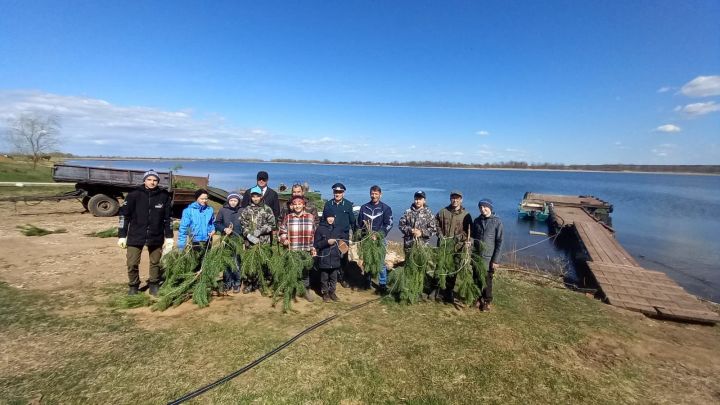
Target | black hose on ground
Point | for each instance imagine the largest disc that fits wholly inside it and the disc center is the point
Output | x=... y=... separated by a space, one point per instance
x=265 y=356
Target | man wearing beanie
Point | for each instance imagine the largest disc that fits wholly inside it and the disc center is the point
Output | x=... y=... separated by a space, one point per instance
x=269 y=196
x=145 y=221
x=487 y=234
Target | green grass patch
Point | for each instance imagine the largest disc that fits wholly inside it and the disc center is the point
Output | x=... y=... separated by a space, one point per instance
x=23 y=171
x=72 y=347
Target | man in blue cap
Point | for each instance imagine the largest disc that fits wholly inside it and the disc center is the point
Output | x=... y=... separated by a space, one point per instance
x=487 y=234
x=344 y=220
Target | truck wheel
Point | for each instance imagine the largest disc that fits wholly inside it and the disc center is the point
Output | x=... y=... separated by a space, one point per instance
x=101 y=205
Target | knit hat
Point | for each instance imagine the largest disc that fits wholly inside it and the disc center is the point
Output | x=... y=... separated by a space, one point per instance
x=486 y=202
x=256 y=190
x=328 y=212
x=200 y=192
x=149 y=173
x=233 y=195
x=263 y=175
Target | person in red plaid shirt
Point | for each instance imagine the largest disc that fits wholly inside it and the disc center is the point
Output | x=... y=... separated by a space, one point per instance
x=297 y=232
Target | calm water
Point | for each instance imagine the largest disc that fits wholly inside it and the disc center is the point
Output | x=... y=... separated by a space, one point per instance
x=669 y=223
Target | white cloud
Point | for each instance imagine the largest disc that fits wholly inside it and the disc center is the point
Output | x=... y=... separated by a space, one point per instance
x=664 y=89
x=97 y=127
x=697 y=109
x=668 y=128
x=482 y=133
x=702 y=86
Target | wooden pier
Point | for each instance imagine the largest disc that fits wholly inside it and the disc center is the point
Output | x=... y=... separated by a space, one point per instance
x=621 y=279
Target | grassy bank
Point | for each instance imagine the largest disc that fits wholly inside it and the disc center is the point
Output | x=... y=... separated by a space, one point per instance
x=22 y=170
x=539 y=345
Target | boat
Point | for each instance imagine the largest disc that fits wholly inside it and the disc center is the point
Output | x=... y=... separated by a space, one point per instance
x=533 y=209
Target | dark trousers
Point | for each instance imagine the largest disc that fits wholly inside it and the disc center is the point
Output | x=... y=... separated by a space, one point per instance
x=343 y=265
x=328 y=280
x=487 y=292
x=133 y=263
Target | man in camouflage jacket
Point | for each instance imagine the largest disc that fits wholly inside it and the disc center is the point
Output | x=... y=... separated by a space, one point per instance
x=417 y=223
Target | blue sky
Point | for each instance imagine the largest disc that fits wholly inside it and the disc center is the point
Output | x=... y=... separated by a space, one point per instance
x=468 y=81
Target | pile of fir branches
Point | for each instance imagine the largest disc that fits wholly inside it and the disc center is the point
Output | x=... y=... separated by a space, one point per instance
x=32 y=230
x=111 y=232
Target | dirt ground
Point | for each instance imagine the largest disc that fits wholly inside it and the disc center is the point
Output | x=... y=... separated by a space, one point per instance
x=73 y=260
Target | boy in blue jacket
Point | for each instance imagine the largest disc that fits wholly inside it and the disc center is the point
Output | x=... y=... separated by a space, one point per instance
x=197 y=224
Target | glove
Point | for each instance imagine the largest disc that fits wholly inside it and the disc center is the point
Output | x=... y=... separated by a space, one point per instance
x=122 y=242
x=168 y=246
x=253 y=239
x=256 y=233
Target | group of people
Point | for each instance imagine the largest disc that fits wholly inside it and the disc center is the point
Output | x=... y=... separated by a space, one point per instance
x=258 y=218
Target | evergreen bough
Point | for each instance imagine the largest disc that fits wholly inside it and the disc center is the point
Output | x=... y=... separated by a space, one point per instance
x=408 y=282
x=372 y=252
x=444 y=261
x=288 y=281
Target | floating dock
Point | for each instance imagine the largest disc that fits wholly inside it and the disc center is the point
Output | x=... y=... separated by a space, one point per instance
x=621 y=279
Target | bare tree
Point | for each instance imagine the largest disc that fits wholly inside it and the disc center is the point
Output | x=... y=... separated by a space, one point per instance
x=34 y=134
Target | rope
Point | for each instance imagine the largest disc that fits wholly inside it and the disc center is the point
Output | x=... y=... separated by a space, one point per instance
x=265 y=356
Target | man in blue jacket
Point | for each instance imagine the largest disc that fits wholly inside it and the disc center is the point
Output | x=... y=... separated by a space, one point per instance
x=376 y=216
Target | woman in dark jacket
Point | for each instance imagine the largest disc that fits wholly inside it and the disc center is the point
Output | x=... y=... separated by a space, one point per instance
x=327 y=238
x=227 y=222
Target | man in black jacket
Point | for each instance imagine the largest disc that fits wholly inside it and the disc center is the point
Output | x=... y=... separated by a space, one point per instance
x=269 y=196
x=145 y=221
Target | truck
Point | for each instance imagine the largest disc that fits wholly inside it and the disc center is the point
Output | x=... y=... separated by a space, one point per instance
x=101 y=189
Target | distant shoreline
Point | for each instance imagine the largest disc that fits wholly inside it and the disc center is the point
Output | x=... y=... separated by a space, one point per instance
x=531 y=169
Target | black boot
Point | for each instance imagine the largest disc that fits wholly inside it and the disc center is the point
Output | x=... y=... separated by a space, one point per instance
x=133 y=290
x=153 y=288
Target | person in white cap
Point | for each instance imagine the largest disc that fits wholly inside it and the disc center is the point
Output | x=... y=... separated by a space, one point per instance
x=145 y=221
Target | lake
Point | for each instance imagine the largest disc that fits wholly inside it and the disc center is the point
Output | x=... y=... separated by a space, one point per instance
x=669 y=223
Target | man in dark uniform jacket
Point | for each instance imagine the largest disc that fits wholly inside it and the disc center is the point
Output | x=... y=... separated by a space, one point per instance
x=269 y=196
x=145 y=221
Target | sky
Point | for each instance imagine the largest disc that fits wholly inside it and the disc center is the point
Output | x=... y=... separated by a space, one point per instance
x=573 y=82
